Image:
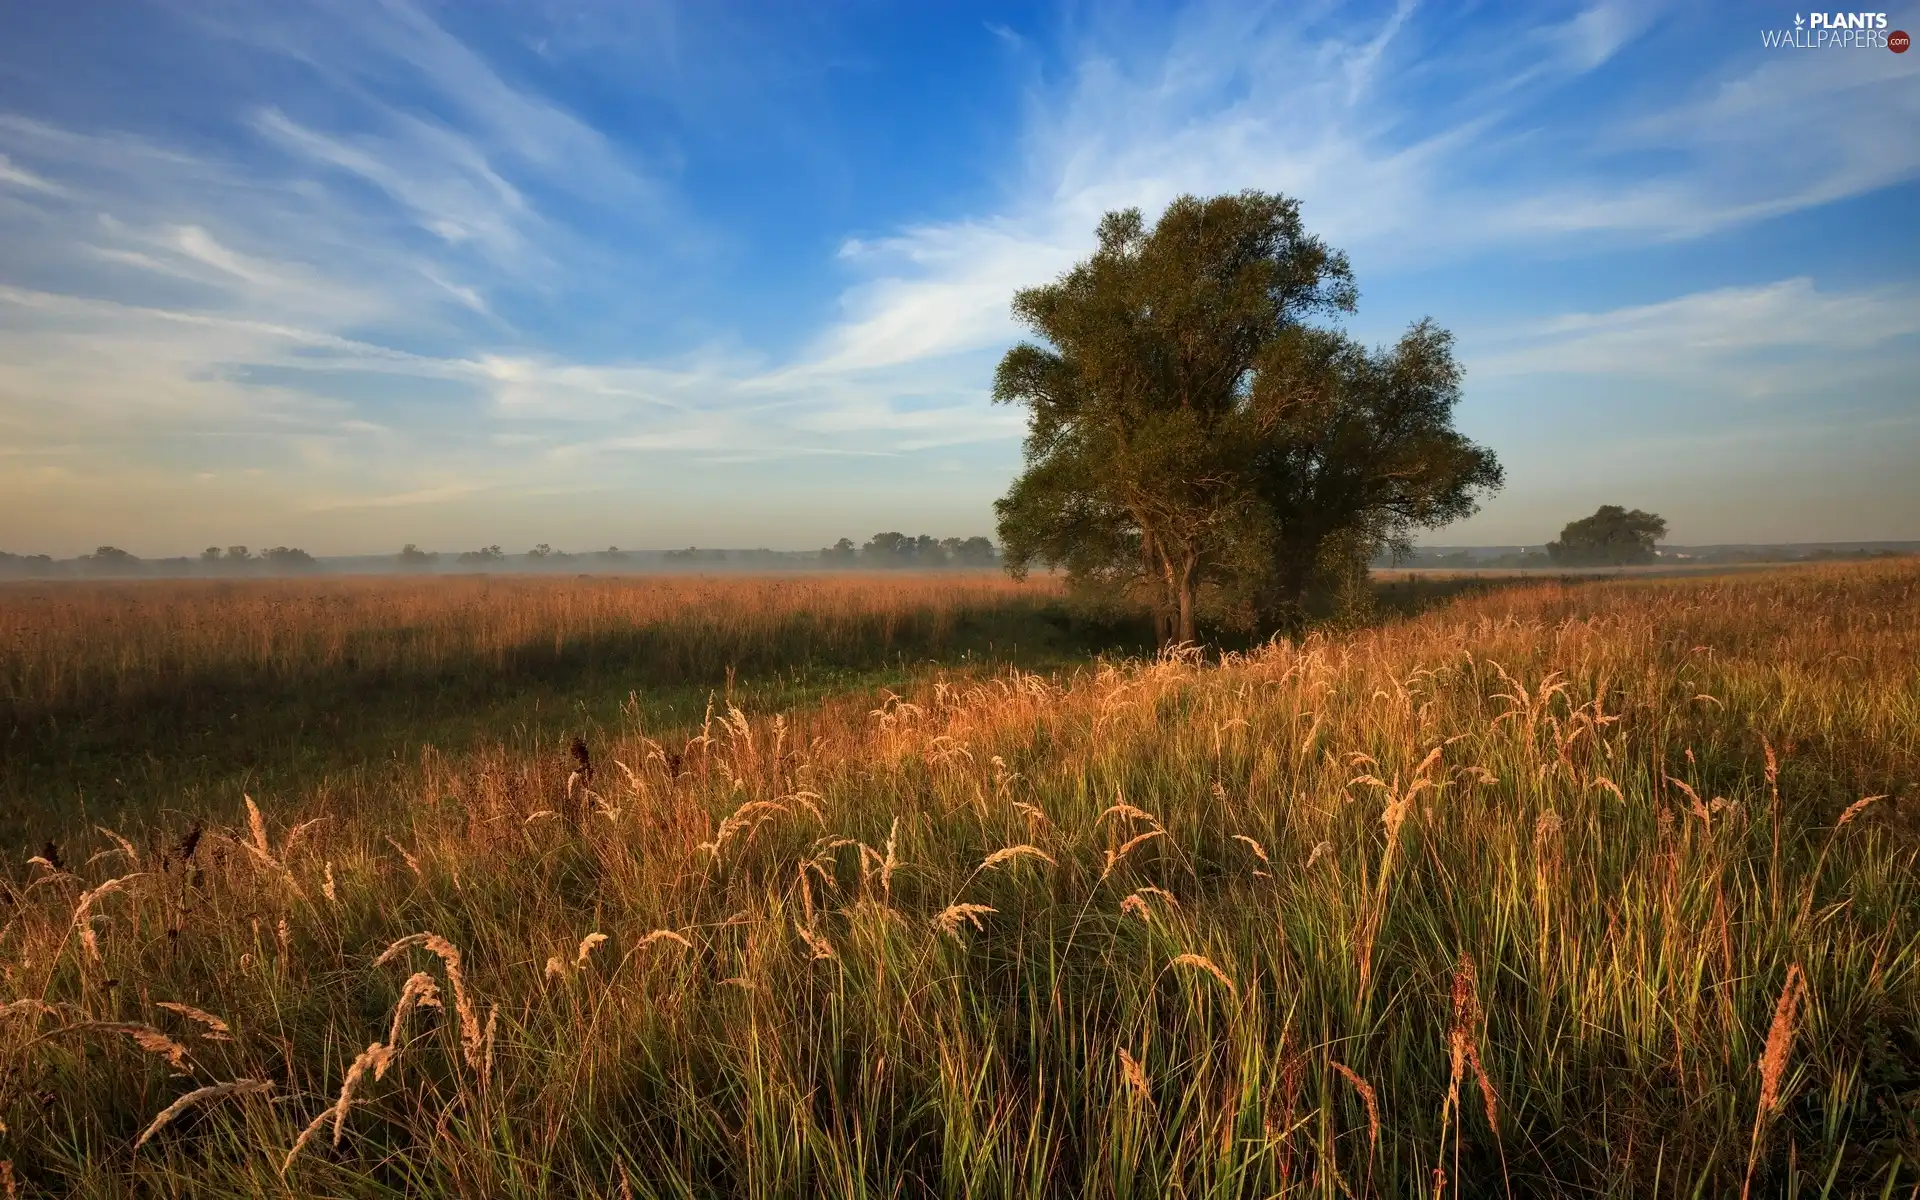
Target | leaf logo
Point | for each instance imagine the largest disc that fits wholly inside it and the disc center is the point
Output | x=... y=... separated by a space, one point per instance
x=1798 y=20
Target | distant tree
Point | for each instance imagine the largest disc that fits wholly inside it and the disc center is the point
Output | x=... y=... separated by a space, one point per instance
x=210 y=555
x=970 y=552
x=414 y=558
x=893 y=549
x=25 y=564
x=1191 y=439
x=239 y=554
x=485 y=556
x=289 y=558
x=1613 y=536
x=111 y=558
x=841 y=554
x=610 y=554
x=540 y=552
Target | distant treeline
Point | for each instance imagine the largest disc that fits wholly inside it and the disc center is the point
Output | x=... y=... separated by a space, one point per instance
x=1537 y=556
x=883 y=550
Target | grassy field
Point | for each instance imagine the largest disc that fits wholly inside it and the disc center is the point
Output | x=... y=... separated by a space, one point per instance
x=121 y=699
x=1595 y=889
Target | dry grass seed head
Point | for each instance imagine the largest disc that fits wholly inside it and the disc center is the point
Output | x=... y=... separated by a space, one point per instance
x=419 y=991
x=89 y=898
x=1367 y=1098
x=1115 y=857
x=449 y=954
x=1127 y=812
x=234 y=1087
x=1259 y=851
x=258 y=825
x=588 y=945
x=216 y=1029
x=1773 y=1062
x=1207 y=965
x=1136 y=1077
x=1010 y=853
x=953 y=916
x=664 y=935
x=152 y=1040
x=1855 y=809
x=818 y=946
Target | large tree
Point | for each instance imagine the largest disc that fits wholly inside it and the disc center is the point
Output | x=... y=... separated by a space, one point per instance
x=1613 y=536
x=1193 y=436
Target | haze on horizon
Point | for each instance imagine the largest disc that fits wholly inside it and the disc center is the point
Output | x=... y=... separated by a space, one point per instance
x=347 y=276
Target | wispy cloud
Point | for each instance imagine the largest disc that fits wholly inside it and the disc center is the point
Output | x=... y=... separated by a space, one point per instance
x=359 y=277
x=1733 y=337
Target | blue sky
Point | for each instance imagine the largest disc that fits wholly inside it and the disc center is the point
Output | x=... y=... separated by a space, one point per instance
x=651 y=274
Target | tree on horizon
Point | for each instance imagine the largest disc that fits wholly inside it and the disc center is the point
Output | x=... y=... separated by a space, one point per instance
x=1193 y=440
x=1613 y=536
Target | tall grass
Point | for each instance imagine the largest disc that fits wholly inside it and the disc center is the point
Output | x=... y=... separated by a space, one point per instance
x=1604 y=890
x=67 y=645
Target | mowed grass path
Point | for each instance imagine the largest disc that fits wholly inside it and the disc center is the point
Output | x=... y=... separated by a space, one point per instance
x=1596 y=890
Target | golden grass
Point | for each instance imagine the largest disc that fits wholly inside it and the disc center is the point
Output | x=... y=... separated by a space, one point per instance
x=64 y=644
x=1598 y=852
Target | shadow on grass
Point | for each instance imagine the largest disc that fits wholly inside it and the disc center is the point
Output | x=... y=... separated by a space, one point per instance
x=194 y=741
x=197 y=739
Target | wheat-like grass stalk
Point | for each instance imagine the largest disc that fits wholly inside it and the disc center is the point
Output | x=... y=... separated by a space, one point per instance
x=1367 y=1098
x=152 y=1040
x=216 y=1029
x=122 y=845
x=213 y=1091
x=470 y=1031
x=588 y=945
x=1208 y=965
x=412 y=863
x=296 y=834
x=1116 y=857
x=1773 y=1065
x=419 y=991
x=258 y=825
x=664 y=935
x=1127 y=812
x=93 y=896
x=372 y=1059
x=1855 y=809
x=953 y=916
x=1136 y=1077
x=1011 y=853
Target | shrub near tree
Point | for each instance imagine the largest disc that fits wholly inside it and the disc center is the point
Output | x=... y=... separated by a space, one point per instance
x=1194 y=440
x=1612 y=537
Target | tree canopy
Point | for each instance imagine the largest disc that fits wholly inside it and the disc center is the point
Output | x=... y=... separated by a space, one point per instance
x=1612 y=537
x=1194 y=438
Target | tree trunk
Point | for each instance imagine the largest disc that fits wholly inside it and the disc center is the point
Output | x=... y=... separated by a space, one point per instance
x=1184 y=633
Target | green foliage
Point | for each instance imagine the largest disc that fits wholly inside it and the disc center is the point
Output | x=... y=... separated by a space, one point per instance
x=1611 y=537
x=292 y=558
x=413 y=556
x=1194 y=441
x=899 y=550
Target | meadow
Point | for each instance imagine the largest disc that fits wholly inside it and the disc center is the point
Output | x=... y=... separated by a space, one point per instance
x=1554 y=889
x=118 y=699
